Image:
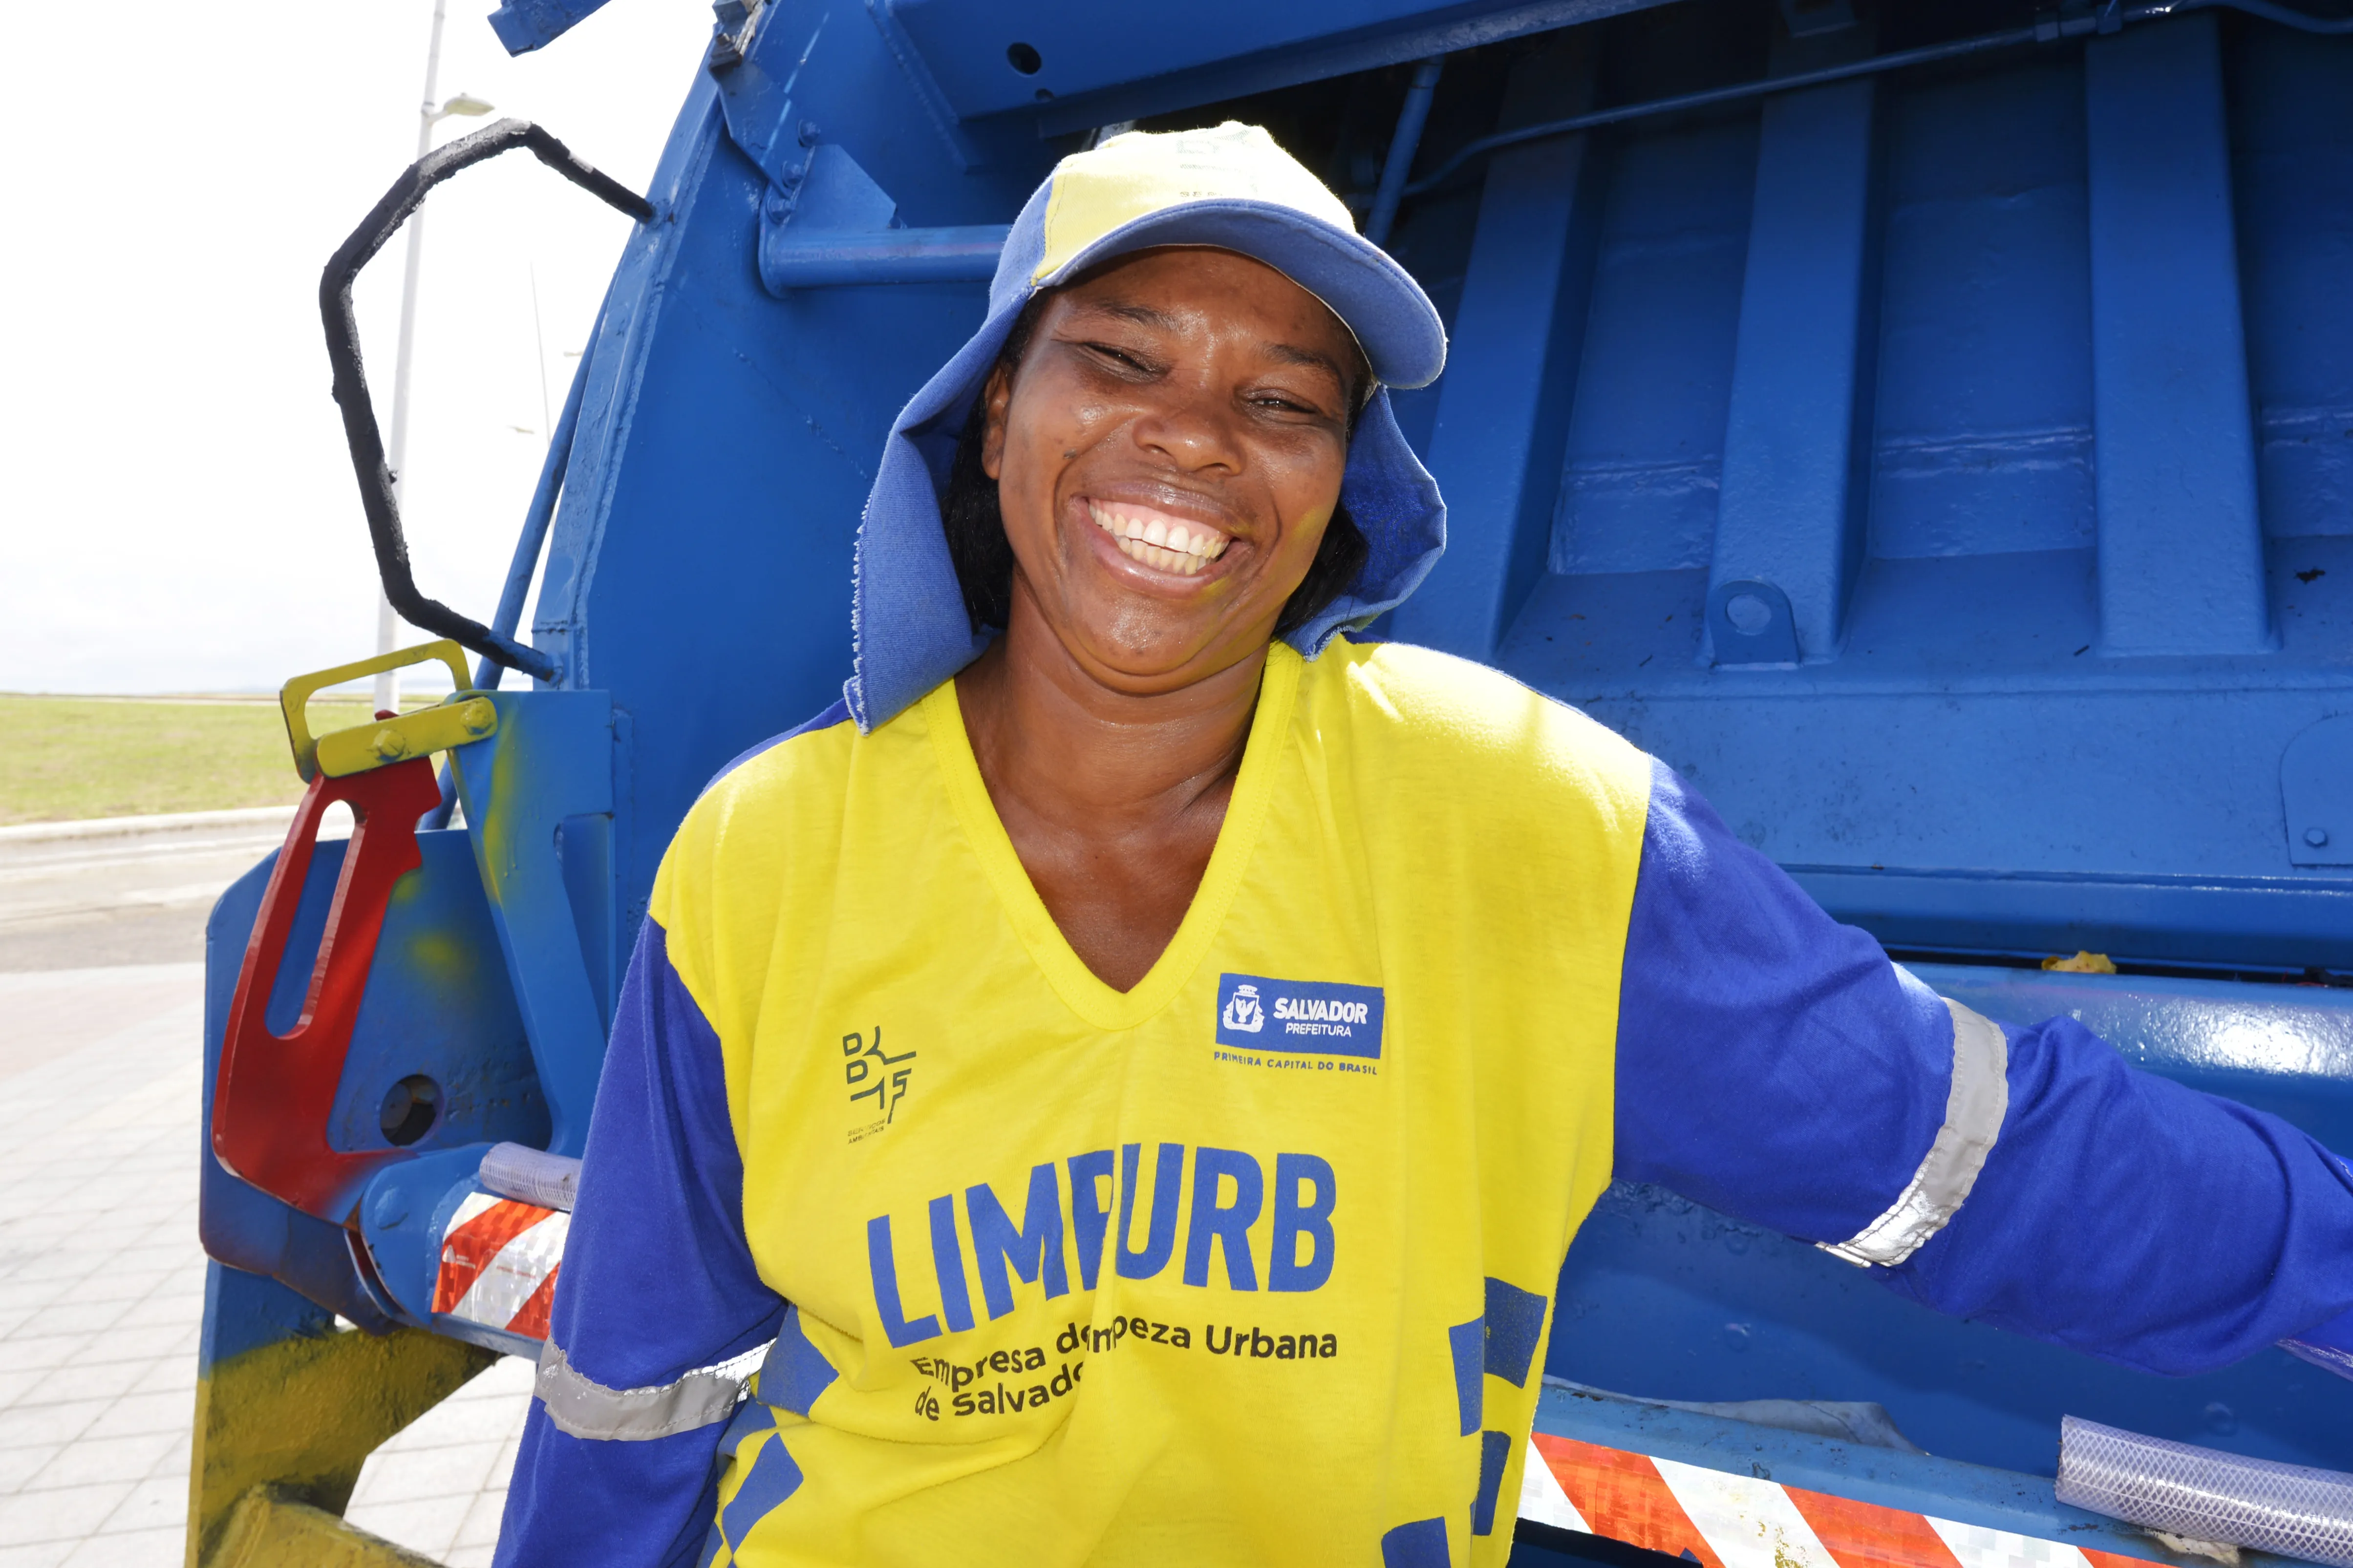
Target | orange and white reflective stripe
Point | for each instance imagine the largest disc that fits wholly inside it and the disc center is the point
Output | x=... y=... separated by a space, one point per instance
x=1542 y=1497
x=1725 y=1520
x=498 y=1262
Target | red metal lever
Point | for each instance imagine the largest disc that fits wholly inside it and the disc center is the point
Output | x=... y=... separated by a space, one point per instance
x=276 y=1092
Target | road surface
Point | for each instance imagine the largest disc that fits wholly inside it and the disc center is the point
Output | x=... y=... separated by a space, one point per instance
x=101 y=1282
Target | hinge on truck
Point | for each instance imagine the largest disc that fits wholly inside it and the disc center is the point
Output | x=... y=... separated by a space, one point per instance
x=824 y=220
x=732 y=33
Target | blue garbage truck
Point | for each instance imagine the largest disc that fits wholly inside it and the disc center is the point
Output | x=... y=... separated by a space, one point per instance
x=1928 y=427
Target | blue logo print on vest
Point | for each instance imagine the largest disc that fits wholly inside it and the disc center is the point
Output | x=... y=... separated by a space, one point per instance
x=1312 y=1015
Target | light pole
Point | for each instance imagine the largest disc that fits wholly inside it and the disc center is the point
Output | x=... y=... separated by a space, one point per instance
x=387 y=625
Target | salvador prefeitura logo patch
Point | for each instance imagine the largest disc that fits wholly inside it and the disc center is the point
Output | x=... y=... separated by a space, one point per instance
x=1316 y=1017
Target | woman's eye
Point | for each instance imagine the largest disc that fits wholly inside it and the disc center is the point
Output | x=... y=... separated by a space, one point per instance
x=1119 y=355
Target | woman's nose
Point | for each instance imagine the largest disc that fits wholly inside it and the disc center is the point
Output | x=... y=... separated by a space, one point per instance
x=1193 y=429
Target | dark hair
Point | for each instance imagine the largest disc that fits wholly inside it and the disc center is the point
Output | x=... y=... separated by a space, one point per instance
x=983 y=556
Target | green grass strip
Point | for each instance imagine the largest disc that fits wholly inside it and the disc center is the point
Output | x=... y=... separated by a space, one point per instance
x=66 y=759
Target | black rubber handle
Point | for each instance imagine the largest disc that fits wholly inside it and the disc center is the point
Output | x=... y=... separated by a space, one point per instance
x=407 y=193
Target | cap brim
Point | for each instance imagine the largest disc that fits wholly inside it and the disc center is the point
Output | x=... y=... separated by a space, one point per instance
x=1379 y=300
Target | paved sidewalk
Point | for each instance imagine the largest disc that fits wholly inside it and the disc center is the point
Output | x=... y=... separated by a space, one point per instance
x=102 y=1295
x=438 y=1487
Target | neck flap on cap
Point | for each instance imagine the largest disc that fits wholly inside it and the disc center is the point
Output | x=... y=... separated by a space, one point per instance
x=908 y=628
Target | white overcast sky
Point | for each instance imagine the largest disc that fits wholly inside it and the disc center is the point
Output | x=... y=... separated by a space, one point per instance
x=178 y=513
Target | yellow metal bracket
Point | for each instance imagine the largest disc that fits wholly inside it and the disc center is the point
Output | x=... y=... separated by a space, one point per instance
x=282 y=1431
x=464 y=715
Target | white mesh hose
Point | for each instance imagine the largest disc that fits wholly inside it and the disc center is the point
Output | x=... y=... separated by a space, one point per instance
x=531 y=1176
x=2197 y=1492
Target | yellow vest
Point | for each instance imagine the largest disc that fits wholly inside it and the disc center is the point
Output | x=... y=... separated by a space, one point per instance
x=1249 y=1264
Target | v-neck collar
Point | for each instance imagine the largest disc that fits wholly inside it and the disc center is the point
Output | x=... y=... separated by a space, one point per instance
x=1085 y=994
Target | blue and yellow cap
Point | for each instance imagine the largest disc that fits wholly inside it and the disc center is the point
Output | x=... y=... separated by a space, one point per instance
x=1231 y=188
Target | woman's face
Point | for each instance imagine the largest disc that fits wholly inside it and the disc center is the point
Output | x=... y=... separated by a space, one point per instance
x=1167 y=456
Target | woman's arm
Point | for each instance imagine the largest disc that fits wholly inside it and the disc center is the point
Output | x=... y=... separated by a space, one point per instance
x=1774 y=1064
x=659 y=1314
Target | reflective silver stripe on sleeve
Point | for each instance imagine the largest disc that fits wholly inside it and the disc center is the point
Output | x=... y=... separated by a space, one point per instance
x=581 y=1407
x=1973 y=1114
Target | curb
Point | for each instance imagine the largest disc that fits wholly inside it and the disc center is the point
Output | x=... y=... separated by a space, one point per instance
x=121 y=826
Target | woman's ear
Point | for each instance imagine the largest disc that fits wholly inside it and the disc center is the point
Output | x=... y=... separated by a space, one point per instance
x=995 y=398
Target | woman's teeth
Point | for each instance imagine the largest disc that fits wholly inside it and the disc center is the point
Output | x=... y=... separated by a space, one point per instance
x=1157 y=542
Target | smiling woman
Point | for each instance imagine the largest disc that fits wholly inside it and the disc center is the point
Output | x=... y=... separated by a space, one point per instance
x=1167 y=448
x=1147 y=346
x=1131 y=948
x=971 y=509
x=1193 y=407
